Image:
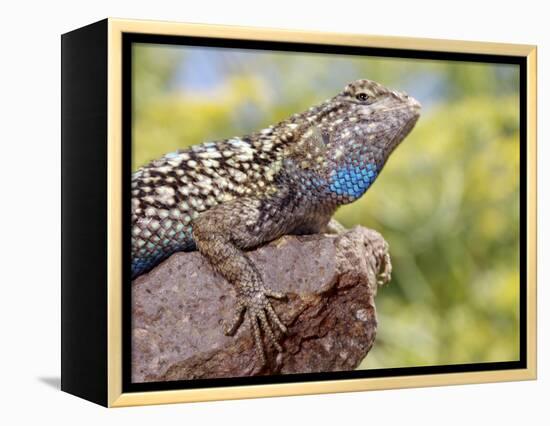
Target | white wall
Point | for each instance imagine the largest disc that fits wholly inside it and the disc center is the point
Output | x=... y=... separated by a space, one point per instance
x=30 y=198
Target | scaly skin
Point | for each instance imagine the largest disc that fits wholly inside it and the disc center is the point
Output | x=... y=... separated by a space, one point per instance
x=232 y=195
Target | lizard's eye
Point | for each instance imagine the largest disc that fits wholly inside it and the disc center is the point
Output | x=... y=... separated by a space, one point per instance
x=363 y=97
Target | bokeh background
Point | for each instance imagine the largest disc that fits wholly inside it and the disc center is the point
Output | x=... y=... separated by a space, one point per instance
x=447 y=201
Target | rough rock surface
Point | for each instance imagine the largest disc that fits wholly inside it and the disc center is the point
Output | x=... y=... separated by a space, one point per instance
x=180 y=307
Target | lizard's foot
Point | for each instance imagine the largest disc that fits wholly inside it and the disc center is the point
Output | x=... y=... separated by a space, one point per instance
x=334 y=227
x=385 y=269
x=258 y=309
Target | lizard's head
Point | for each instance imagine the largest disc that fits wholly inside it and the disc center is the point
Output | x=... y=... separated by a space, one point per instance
x=361 y=126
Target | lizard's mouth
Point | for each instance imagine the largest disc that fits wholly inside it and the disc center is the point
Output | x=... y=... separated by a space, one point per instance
x=411 y=114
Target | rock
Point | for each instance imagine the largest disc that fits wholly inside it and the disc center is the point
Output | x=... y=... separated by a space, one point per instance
x=180 y=307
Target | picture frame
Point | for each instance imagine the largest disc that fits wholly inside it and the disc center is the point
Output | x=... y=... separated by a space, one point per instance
x=96 y=168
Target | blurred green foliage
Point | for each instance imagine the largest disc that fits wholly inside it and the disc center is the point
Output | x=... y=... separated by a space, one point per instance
x=447 y=201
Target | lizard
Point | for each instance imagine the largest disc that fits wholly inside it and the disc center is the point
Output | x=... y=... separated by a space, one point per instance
x=225 y=197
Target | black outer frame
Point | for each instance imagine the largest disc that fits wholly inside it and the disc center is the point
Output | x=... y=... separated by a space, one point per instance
x=84 y=211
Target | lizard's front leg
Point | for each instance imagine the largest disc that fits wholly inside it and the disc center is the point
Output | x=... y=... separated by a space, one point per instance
x=221 y=234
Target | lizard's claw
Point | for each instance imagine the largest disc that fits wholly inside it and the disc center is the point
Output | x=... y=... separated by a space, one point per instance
x=258 y=309
x=385 y=269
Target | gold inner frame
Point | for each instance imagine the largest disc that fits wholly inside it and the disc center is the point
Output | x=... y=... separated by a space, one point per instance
x=116 y=398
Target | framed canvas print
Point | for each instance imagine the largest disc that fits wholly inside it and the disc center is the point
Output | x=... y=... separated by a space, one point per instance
x=254 y=212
